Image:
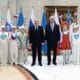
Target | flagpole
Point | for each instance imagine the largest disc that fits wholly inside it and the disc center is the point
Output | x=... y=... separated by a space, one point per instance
x=8 y=4
x=17 y=6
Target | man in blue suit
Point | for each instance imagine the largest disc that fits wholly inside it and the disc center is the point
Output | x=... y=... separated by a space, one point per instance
x=52 y=36
x=36 y=38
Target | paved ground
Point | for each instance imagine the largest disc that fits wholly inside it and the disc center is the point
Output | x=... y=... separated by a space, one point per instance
x=52 y=72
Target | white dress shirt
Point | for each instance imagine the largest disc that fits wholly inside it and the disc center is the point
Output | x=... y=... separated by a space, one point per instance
x=52 y=26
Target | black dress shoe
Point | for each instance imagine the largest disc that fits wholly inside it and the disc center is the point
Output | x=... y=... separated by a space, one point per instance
x=32 y=64
x=48 y=63
x=54 y=63
x=40 y=64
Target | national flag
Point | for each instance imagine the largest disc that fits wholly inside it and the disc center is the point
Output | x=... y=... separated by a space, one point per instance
x=69 y=17
x=8 y=21
x=44 y=23
x=20 y=19
x=56 y=17
x=32 y=18
x=44 y=19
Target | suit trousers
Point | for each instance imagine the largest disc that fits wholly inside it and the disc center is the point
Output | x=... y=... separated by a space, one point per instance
x=54 y=50
x=36 y=50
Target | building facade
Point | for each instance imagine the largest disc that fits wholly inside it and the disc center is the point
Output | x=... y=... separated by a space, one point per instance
x=38 y=6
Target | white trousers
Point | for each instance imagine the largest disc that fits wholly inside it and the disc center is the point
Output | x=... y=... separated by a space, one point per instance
x=4 y=51
x=13 y=51
x=23 y=55
x=66 y=56
x=76 y=54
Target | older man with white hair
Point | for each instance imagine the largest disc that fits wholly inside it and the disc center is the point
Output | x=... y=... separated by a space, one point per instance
x=3 y=46
x=52 y=37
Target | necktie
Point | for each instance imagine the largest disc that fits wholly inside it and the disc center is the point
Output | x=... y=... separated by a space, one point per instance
x=36 y=28
x=52 y=27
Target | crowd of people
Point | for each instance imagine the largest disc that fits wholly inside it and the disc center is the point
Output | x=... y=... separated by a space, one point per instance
x=14 y=44
x=60 y=39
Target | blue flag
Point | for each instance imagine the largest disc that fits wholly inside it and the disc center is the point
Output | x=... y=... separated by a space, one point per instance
x=44 y=23
x=69 y=17
x=20 y=19
x=44 y=20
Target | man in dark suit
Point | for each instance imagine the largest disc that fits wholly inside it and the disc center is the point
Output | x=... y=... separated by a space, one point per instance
x=52 y=36
x=36 y=38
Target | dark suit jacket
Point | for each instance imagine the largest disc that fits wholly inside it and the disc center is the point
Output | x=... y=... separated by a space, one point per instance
x=52 y=37
x=36 y=37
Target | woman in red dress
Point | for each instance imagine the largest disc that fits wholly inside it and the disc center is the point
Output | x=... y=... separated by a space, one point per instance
x=65 y=42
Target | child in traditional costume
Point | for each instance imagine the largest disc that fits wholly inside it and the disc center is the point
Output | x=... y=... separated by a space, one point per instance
x=65 y=43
